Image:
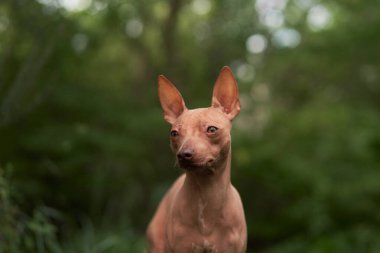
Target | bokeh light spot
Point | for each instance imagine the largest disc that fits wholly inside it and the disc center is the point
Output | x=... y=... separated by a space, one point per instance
x=270 y=12
x=75 y=5
x=134 y=28
x=286 y=37
x=318 y=17
x=245 y=72
x=304 y=4
x=201 y=7
x=79 y=42
x=256 y=43
x=4 y=23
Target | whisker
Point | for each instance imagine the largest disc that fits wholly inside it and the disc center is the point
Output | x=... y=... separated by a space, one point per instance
x=176 y=163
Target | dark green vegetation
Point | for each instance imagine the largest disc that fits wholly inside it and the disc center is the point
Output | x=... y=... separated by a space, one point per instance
x=84 y=154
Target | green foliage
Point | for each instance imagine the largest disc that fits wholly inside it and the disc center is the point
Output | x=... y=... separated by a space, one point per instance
x=20 y=233
x=89 y=240
x=333 y=200
x=81 y=125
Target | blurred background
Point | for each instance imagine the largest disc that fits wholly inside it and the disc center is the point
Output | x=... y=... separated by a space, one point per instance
x=84 y=150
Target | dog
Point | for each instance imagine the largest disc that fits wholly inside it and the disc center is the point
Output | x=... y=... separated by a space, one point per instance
x=202 y=211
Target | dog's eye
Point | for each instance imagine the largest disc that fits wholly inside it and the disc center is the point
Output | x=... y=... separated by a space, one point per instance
x=174 y=133
x=212 y=129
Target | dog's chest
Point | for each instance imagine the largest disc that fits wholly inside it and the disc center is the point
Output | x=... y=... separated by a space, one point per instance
x=205 y=248
x=190 y=240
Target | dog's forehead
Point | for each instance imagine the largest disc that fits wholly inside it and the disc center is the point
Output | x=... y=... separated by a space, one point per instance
x=203 y=116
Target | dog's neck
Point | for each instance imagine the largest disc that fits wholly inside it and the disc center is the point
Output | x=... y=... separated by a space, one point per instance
x=208 y=182
x=206 y=194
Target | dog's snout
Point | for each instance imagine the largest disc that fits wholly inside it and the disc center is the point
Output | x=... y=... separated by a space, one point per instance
x=185 y=155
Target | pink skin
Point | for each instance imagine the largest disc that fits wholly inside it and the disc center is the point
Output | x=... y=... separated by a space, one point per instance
x=202 y=211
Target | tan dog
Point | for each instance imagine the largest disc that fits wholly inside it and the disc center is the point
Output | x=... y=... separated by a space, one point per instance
x=202 y=212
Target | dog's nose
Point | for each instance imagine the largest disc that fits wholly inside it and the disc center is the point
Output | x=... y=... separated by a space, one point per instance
x=185 y=155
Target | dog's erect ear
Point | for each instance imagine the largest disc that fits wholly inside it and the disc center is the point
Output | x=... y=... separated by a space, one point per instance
x=171 y=100
x=226 y=94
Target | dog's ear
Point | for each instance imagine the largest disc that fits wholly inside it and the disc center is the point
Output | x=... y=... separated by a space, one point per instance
x=226 y=95
x=171 y=100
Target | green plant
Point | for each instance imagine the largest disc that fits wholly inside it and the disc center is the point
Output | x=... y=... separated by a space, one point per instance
x=19 y=232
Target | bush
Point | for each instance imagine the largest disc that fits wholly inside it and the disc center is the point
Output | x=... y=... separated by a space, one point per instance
x=20 y=232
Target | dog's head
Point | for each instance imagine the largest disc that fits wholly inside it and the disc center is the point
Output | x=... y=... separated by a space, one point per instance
x=200 y=138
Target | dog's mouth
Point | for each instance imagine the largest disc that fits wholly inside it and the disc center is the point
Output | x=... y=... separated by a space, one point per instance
x=192 y=165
